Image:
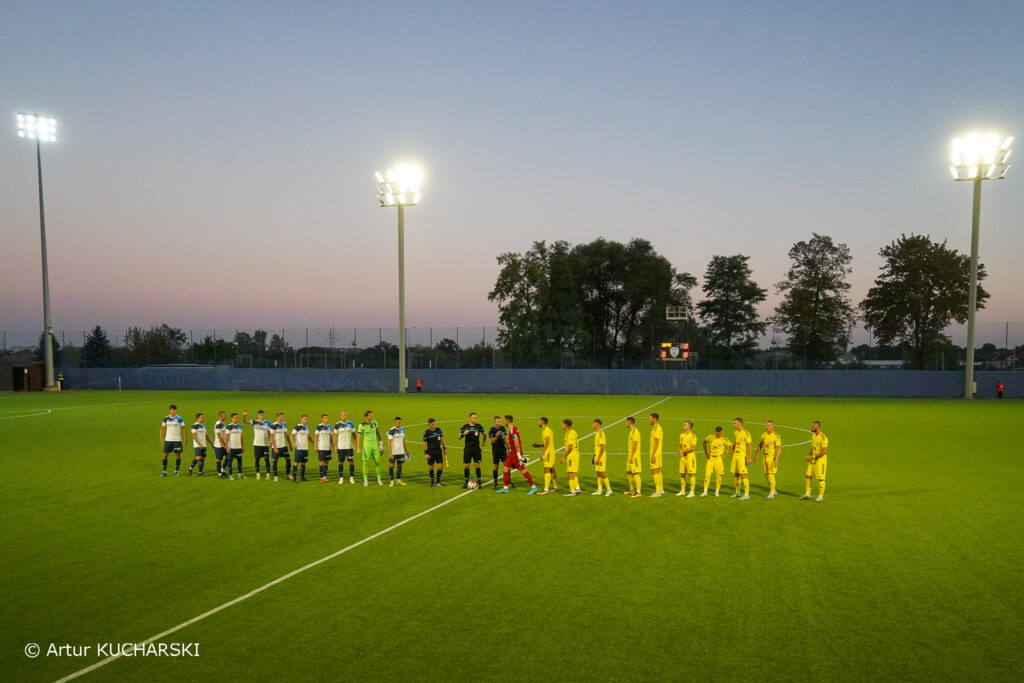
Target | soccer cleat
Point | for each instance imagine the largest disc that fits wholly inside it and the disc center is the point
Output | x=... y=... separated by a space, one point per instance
x=690 y=494
x=716 y=494
x=163 y=474
x=610 y=492
x=501 y=490
x=220 y=475
x=629 y=492
x=571 y=493
x=190 y=471
x=806 y=496
x=200 y=474
x=819 y=499
x=744 y=497
x=391 y=485
x=175 y=472
x=543 y=493
x=365 y=483
x=736 y=495
x=351 y=480
x=401 y=483
x=379 y=482
x=770 y=496
x=303 y=479
x=596 y=493
x=657 y=494
x=323 y=480
x=479 y=484
x=681 y=493
x=533 y=490
x=275 y=477
x=341 y=481
x=439 y=484
x=704 y=495
x=465 y=484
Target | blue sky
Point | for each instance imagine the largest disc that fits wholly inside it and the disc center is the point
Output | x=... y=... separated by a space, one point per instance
x=215 y=161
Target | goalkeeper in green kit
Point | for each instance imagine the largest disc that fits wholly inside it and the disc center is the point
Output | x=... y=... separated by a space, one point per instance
x=368 y=444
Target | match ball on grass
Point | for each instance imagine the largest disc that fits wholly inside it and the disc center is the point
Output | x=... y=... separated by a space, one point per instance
x=472 y=485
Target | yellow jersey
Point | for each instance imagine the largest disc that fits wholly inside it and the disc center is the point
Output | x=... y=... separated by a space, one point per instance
x=717 y=445
x=547 y=437
x=600 y=441
x=687 y=441
x=657 y=433
x=819 y=442
x=743 y=441
x=771 y=443
x=634 y=438
x=572 y=439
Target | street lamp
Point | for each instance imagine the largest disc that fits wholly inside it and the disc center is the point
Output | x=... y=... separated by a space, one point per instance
x=977 y=157
x=400 y=188
x=42 y=128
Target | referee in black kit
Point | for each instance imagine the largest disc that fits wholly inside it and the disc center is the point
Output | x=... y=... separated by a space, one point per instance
x=472 y=432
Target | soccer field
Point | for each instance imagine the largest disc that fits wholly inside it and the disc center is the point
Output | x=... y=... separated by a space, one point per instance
x=910 y=569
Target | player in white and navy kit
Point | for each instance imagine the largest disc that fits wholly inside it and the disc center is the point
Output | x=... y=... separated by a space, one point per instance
x=236 y=445
x=260 y=443
x=300 y=442
x=396 y=452
x=324 y=439
x=170 y=437
x=199 y=441
x=279 y=445
x=344 y=444
x=220 y=441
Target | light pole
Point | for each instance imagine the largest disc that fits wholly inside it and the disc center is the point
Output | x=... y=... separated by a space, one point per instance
x=400 y=188
x=975 y=158
x=42 y=128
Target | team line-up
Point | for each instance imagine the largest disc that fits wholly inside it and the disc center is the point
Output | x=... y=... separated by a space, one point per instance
x=271 y=441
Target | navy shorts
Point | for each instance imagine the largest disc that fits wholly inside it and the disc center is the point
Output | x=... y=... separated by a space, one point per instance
x=498 y=458
x=435 y=458
x=172 y=447
x=472 y=455
x=219 y=452
x=346 y=454
x=324 y=455
x=260 y=451
x=235 y=452
x=282 y=452
x=200 y=452
x=301 y=456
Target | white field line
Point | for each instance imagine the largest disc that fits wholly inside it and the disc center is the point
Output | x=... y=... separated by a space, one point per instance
x=47 y=411
x=281 y=579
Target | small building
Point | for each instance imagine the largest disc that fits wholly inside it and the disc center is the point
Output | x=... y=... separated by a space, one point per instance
x=22 y=376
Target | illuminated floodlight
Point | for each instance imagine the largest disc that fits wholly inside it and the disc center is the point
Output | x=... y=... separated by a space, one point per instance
x=37 y=127
x=399 y=186
x=980 y=156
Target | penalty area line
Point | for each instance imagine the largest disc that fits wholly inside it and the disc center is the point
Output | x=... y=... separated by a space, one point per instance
x=294 y=572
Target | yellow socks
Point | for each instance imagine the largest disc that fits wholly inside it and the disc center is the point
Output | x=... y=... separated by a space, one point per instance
x=637 y=478
x=771 y=482
x=659 y=482
x=693 y=483
x=808 y=490
x=821 y=487
x=737 y=484
x=547 y=480
x=600 y=484
x=746 y=486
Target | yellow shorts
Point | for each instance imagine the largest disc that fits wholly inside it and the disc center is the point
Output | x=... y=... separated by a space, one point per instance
x=769 y=464
x=634 y=469
x=572 y=464
x=739 y=464
x=656 y=465
x=688 y=464
x=601 y=464
x=549 y=460
x=817 y=469
x=714 y=465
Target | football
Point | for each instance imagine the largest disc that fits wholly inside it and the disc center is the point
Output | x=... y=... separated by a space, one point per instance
x=472 y=485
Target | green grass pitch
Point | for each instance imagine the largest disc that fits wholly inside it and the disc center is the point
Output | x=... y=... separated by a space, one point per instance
x=910 y=569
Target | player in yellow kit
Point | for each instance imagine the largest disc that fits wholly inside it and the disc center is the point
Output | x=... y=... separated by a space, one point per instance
x=740 y=457
x=817 y=461
x=657 y=444
x=771 y=442
x=547 y=438
x=571 y=457
x=687 y=460
x=633 y=462
x=714 y=449
x=601 y=458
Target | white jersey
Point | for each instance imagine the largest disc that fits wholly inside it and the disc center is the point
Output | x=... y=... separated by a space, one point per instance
x=173 y=427
x=260 y=432
x=301 y=435
x=346 y=432
x=220 y=430
x=234 y=435
x=396 y=436
x=323 y=437
x=279 y=430
x=199 y=435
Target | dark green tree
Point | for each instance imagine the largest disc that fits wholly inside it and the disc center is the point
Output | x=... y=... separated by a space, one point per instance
x=97 y=349
x=39 y=355
x=815 y=312
x=159 y=344
x=729 y=309
x=923 y=287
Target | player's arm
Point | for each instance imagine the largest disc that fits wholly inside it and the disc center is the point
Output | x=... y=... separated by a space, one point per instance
x=245 y=418
x=444 y=451
x=389 y=446
x=568 y=452
x=291 y=440
x=654 y=448
x=824 y=452
x=778 y=452
x=707 y=453
x=163 y=428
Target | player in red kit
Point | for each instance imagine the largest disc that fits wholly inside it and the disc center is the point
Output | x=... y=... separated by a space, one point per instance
x=514 y=461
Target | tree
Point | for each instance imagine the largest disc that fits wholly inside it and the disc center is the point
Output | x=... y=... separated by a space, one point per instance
x=815 y=311
x=39 y=355
x=729 y=309
x=158 y=344
x=923 y=287
x=97 y=349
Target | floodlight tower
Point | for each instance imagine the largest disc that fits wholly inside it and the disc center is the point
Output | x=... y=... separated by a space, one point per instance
x=975 y=158
x=400 y=188
x=42 y=128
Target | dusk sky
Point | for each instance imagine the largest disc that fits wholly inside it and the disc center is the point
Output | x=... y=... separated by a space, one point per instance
x=215 y=160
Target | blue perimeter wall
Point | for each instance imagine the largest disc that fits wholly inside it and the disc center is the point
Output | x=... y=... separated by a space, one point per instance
x=877 y=383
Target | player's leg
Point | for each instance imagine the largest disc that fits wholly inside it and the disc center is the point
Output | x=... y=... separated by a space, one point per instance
x=496 y=460
x=807 y=483
x=350 y=456
x=391 y=470
x=467 y=458
x=195 y=460
x=477 y=460
x=277 y=456
x=820 y=474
